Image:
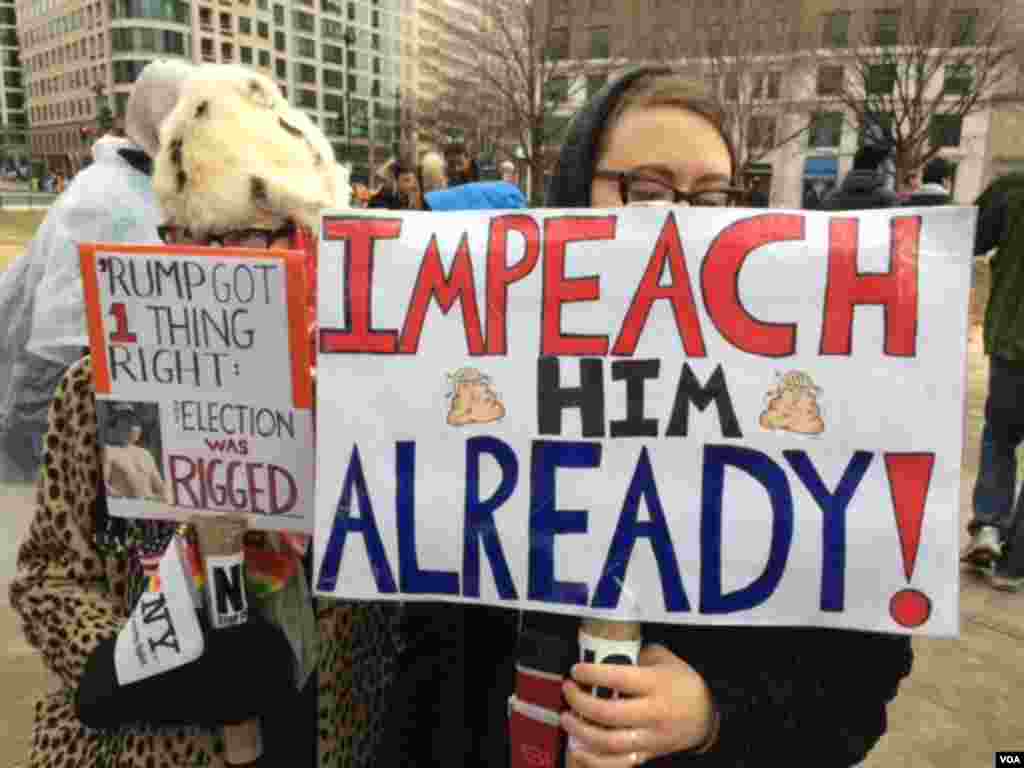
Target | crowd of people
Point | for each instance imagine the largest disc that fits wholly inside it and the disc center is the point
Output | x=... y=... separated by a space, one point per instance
x=361 y=684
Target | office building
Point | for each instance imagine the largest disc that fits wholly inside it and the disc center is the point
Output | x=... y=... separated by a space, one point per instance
x=82 y=56
x=798 y=53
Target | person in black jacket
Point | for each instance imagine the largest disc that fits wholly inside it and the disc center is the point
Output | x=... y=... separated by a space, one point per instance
x=864 y=186
x=935 y=187
x=702 y=695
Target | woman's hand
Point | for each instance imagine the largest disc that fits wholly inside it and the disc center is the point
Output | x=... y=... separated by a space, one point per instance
x=665 y=707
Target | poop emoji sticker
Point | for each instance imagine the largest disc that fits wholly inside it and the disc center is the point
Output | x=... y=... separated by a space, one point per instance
x=793 y=405
x=474 y=400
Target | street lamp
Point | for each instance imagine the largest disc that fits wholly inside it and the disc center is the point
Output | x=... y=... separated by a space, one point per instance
x=349 y=38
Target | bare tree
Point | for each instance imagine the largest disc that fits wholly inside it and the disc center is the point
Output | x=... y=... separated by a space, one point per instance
x=743 y=50
x=524 y=84
x=915 y=72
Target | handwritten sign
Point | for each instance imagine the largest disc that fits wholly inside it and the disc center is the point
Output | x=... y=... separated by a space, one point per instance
x=204 y=395
x=667 y=414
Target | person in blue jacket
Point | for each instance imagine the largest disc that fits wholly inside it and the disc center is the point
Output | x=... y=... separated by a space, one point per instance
x=477 y=196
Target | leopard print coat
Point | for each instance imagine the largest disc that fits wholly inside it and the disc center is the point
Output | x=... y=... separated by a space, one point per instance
x=71 y=592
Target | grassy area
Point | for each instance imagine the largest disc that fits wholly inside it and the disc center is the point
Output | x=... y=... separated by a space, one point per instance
x=17 y=227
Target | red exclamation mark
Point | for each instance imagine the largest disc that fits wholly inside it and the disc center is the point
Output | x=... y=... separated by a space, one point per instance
x=910 y=474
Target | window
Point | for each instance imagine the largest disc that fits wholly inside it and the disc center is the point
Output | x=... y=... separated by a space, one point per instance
x=964 y=26
x=225 y=23
x=244 y=25
x=332 y=54
x=945 y=130
x=264 y=58
x=958 y=80
x=263 y=29
x=333 y=102
x=305 y=73
x=303 y=21
x=554 y=128
x=305 y=46
x=306 y=98
x=761 y=134
x=836 y=30
x=279 y=15
x=716 y=40
x=556 y=91
x=558 y=43
x=333 y=78
x=227 y=51
x=774 y=85
x=162 y=10
x=826 y=129
x=375 y=90
x=281 y=68
x=124 y=71
x=595 y=83
x=330 y=6
x=245 y=54
x=830 y=80
x=600 y=46
x=732 y=87
x=887 y=27
x=279 y=42
x=757 y=86
x=881 y=78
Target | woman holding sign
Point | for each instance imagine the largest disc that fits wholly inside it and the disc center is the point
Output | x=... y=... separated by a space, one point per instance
x=735 y=696
x=107 y=600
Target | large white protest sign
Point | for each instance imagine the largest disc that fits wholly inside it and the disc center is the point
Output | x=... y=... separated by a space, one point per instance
x=203 y=388
x=677 y=415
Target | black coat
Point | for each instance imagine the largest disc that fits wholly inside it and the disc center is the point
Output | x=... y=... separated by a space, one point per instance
x=929 y=194
x=860 y=190
x=793 y=697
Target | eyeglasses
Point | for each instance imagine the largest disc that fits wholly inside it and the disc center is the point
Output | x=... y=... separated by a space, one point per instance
x=236 y=238
x=637 y=187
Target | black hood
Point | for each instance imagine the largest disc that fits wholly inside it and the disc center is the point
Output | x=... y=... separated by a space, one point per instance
x=570 y=185
x=861 y=182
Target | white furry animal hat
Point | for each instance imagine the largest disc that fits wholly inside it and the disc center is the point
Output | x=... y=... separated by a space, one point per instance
x=234 y=154
x=153 y=98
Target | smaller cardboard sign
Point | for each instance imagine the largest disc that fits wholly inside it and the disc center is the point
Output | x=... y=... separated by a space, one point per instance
x=203 y=384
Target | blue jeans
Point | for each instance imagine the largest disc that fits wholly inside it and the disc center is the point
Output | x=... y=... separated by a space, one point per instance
x=995 y=500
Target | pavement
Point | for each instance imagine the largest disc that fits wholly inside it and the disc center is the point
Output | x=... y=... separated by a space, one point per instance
x=963 y=701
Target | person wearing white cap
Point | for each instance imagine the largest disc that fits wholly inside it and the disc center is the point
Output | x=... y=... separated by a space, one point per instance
x=42 y=313
x=237 y=166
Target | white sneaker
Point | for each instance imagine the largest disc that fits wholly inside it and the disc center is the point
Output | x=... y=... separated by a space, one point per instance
x=984 y=549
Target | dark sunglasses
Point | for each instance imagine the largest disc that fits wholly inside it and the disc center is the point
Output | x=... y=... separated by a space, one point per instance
x=635 y=187
x=235 y=238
